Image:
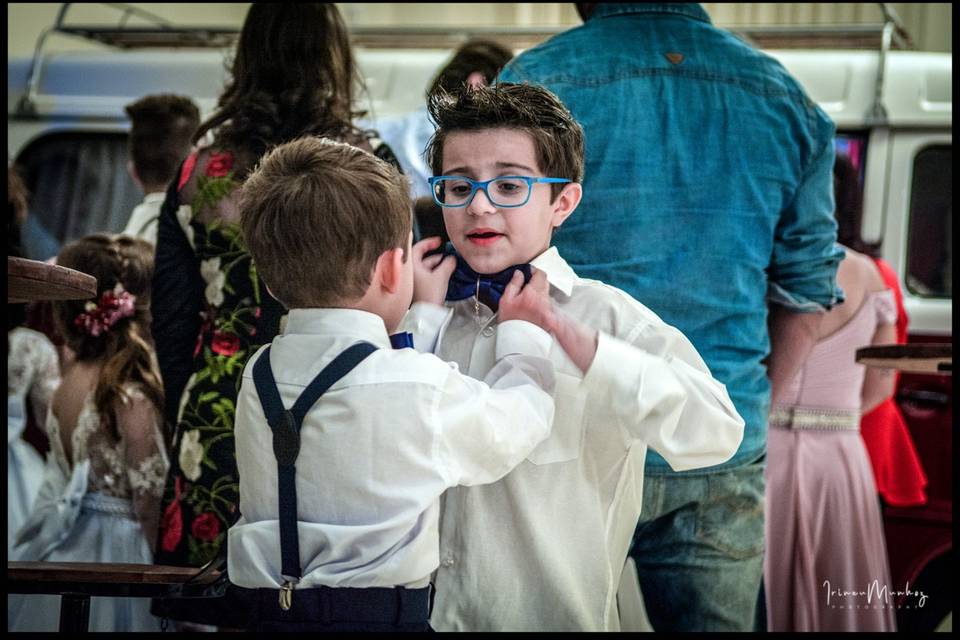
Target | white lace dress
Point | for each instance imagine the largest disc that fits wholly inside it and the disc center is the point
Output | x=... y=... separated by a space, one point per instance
x=101 y=505
x=33 y=374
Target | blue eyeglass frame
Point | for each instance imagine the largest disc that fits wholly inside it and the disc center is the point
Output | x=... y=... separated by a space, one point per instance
x=476 y=185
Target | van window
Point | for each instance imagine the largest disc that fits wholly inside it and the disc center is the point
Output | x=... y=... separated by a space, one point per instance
x=78 y=185
x=929 y=241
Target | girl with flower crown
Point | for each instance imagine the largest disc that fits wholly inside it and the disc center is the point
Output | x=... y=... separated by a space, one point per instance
x=100 y=498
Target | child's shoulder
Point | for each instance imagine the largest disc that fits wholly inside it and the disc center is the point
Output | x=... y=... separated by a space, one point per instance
x=611 y=306
x=415 y=366
x=384 y=366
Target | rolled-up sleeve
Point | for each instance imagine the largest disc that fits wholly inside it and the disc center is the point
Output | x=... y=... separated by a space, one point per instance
x=803 y=269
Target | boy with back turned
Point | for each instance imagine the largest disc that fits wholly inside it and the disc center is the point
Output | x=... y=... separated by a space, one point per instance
x=345 y=445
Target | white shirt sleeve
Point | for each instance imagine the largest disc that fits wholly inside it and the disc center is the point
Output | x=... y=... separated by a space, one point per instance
x=424 y=321
x=489 y=427
x=660 y=391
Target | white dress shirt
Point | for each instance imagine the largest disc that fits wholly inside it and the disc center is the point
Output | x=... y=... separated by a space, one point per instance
x=543 y=549
x=378 y=449
x=143 y=220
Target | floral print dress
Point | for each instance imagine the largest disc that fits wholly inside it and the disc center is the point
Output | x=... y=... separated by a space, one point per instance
x=200 y=502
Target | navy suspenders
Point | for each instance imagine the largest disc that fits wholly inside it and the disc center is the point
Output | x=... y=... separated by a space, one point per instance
x=285 y=425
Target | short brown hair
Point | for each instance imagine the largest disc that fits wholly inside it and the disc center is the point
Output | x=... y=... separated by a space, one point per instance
x=162 y=127
x=316 y=214
x=557 y=137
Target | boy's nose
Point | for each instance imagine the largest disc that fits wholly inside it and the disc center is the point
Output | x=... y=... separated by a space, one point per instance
x=480 y=204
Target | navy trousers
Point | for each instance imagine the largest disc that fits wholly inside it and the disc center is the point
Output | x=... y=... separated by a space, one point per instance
x=342 y=609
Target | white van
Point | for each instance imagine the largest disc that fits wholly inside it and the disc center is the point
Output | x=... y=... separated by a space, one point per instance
x=67 y=133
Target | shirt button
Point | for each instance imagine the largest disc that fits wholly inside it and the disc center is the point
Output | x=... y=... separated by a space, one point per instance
x=486 y=333
x=447 y=562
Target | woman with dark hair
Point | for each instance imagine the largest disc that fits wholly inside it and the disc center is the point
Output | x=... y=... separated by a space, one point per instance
x=293 y=75
x=100 y=498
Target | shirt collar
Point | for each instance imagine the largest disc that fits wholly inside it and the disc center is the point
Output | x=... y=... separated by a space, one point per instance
x=559 y=273
x=689 y=10
x=157 y=196
x=348 y=323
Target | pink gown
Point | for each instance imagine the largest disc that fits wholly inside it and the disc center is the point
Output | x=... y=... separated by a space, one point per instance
x=826 y=567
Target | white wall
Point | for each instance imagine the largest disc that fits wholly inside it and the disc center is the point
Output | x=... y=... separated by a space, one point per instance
x=931 y=24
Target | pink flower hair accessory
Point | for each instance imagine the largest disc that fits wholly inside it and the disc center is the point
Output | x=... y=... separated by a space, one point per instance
x=113 y=306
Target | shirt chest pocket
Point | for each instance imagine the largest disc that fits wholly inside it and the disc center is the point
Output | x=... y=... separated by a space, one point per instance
x=566 y=436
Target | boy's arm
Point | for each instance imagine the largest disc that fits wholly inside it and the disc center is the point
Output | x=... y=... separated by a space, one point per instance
x=487 y=428
x=659 y=390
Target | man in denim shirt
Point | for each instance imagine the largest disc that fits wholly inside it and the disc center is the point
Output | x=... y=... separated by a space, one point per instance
x=707 y=195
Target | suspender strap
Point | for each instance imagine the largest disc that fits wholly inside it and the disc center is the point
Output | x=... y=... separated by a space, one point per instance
x=285 y=425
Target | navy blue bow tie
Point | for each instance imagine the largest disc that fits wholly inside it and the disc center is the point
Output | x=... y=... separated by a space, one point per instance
x=466 y=282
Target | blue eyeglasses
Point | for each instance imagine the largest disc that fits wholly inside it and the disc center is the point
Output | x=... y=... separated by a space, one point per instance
x=505 y=191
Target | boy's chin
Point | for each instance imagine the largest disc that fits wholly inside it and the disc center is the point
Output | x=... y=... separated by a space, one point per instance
x=489 y=264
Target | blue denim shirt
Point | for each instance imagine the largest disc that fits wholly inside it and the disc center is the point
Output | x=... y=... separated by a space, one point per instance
x=708 y=187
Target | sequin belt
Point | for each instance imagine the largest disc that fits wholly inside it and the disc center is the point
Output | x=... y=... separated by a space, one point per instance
x=103 y=503
x=815 y=419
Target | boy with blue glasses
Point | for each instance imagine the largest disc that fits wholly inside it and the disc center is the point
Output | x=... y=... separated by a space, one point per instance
x=544 y=547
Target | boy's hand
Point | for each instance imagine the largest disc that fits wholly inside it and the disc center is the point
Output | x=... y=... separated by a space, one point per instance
x=531 y=302
x=431 y=274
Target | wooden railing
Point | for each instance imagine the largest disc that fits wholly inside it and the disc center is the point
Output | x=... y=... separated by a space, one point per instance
x=76 y=582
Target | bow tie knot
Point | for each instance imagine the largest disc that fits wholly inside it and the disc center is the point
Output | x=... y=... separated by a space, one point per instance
x=465 y=282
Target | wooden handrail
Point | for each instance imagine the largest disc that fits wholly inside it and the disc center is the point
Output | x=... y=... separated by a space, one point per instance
x=105 y=573
x=77 y=582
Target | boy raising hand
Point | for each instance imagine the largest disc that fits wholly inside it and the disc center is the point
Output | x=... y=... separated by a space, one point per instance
x=543 y=548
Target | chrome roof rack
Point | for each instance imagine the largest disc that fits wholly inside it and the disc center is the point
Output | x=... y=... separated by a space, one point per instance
x=158 y=33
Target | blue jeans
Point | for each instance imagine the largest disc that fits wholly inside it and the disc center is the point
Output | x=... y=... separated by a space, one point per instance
x=699 y=549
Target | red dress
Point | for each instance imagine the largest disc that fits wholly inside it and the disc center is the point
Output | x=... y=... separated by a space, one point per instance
x=896 y=467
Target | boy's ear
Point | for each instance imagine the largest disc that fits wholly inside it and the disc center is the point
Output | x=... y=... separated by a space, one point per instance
x=388 y=272
x=566 y=202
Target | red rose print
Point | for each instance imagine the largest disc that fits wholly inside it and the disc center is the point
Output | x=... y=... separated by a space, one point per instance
x=256 y=312
x=219 y=165
x=188 y=165
x=172 y=525
x=204 y=327
x=205 y=527
x=225 y=344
